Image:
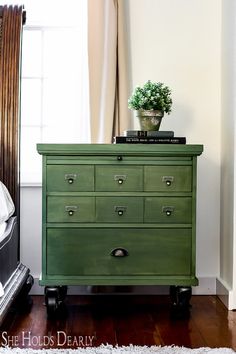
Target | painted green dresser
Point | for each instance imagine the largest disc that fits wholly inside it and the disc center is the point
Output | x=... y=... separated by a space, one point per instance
x=118 y=215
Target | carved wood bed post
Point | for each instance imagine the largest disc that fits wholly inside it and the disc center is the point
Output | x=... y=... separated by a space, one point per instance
x=12 y=19
x=15 y=279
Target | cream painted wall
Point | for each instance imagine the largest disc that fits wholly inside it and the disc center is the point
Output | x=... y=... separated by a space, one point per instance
x=177 y=42
x=228 y=195
x=30 y=228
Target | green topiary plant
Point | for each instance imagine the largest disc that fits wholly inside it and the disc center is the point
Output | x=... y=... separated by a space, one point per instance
x=152 y=96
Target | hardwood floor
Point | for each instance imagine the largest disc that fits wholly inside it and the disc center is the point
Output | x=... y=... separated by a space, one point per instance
x=122 y=320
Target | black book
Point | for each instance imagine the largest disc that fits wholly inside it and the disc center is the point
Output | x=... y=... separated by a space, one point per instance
x=150 y=133
x=148 y=140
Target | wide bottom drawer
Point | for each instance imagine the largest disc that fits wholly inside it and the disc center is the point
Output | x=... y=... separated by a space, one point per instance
x=107 y=252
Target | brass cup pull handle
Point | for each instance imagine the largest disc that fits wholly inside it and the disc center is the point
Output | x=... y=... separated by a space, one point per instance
x=168 y=210
x=119 y=252
x=71 y=209
x=70 y=177
x=168 y=180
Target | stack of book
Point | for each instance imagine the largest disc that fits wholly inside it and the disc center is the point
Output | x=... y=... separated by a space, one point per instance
x=148 y=137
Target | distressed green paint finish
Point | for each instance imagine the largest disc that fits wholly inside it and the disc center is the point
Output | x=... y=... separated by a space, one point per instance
x=44 y=212
x=71 y=209
x=70 y=178
x=119 y=280
x=119 y=209
x=108 y=150
x=194 y=202
x=168 y=178
x=168 y=210
x=119 y=178
x=90 y=252
x=76 y=246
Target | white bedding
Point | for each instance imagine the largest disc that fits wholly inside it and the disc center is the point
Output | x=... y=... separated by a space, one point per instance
x=7 y=207
x=3 y=227
x=1 y=290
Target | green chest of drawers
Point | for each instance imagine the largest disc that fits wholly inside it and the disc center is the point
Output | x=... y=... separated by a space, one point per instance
x=119 y=214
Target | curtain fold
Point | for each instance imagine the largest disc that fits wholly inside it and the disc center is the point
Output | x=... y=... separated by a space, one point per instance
x=11 y=21
x=108 y=73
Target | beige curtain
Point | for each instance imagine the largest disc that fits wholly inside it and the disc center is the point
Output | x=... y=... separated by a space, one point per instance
x=108 y=69
x=11 y=20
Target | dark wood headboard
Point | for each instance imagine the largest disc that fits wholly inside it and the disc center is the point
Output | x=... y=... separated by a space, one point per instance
x=12 y=19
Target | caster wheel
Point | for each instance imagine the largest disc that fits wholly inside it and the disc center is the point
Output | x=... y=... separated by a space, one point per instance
x=62 y=293
x=54 y=299
x=51 y=300
x=180 y=301
x=52 y=306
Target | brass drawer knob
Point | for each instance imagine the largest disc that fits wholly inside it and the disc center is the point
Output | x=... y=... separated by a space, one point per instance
x=168 y=210
x=120 y=179
x=120 y=210
x=70 y=177
x=71 y=209
x=168 y=180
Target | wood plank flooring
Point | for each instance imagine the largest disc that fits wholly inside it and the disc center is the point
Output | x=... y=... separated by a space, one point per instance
x=122 y=320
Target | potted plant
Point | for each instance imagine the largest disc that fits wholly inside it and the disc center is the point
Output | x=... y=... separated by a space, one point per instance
x=151 y=101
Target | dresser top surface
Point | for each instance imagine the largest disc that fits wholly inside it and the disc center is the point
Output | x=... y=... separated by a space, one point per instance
x=133 y=149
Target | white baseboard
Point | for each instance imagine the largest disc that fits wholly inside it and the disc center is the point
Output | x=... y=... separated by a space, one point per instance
x=207 y=286
x=226 y=294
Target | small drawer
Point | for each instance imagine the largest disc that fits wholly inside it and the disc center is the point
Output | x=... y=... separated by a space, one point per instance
x=118 y=252
x=168 y=178
x=168 y=210
x=70 y=178
x=70 y=209
x=119 y=209
x=119 y=178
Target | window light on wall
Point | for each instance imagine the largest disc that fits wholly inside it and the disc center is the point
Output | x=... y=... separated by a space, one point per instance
x=54 y=92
